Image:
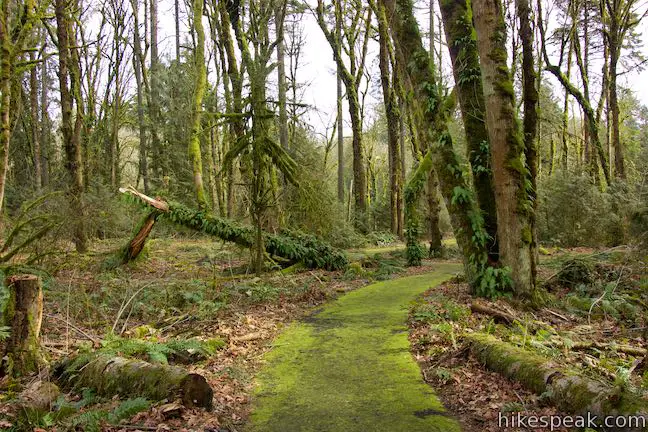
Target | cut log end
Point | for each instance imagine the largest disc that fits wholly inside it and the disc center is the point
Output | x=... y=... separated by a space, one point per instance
x=196 y=392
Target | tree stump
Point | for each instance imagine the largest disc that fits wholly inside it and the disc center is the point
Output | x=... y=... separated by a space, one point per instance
x=23 y=313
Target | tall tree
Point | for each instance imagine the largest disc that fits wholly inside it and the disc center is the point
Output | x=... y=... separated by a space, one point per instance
x=138 y=66
x=620 y=18
x=71 y=123
x=431 y=114
x=390 y=101
x=590 y=115
x=262 y=154
x=196 y=108
x=510 y=174
x=462 y=45
x=15 y=31
x=279 y=16
x=354 y=34
x=158 y=153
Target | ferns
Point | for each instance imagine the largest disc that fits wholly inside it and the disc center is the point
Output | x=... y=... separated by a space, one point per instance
x=159 y=352
x=90 y=421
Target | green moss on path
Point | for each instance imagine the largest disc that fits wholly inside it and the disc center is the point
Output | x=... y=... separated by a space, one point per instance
x=348 y=367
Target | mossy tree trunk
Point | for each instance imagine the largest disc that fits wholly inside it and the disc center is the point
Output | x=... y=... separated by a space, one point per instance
x=430 y=114
x=510 y=173
x=393 y=114
x=196 y=115
x=433 y=216
x=462 y=44
x=110 y=376
x=138 y=67
x=71 y=126
x=23 y=313
x=530 y=124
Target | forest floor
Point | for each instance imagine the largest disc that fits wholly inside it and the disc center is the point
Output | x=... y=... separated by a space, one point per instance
x=594 y=317
x=195 y=289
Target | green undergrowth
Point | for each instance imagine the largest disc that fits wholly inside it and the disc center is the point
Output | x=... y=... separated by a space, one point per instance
x=348 y=367
x=156 y=350
x=592 y=291
x=89 y=413
x=379 y=266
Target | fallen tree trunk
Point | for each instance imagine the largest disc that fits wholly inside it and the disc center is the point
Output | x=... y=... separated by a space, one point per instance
x=568 y=390
x=110 y=376
x=23 y=313
x=291 y=245
x=626 y=349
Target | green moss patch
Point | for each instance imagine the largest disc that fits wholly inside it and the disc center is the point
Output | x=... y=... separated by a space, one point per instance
x=348 y=367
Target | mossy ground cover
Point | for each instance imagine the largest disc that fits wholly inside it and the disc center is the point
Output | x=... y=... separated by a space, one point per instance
x=348 y=367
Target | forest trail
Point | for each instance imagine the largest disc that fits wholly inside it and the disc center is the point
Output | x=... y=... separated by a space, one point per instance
x=348 y=367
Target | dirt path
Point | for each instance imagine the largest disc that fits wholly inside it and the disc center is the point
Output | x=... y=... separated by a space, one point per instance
x=348 y=367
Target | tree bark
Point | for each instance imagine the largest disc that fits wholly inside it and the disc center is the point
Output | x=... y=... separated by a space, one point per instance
x=393 y=115
x=340 y=120
x=159 y=160
x=110 y=376
x=619 y=165
x=44 y=119
x=33 y=102
x=530 y=123
x=5 y=97
x=281 y=73
x=430 y=113
x=196 y=115
x=23 y=312
x=138 y=66
x=68 y=72
x=462 y=45
x=514 y=206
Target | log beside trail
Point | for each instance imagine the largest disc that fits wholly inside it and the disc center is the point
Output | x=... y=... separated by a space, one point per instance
x=293 y=246
x=568 y=390
x=23 y=313
x=109 y=376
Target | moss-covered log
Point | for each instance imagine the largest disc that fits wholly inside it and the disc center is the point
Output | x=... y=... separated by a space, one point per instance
x=291 y=245
x=568 y=390
x=23 y=313
x=110 y=376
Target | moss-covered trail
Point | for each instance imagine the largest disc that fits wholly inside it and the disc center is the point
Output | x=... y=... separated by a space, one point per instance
x=348 y=367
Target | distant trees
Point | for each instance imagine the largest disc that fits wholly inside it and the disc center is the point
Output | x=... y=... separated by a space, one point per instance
x=351 y=42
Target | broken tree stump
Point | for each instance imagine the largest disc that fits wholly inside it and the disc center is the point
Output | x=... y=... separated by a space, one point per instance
x=109 y=376
x=23 y=313
x=135 y=246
